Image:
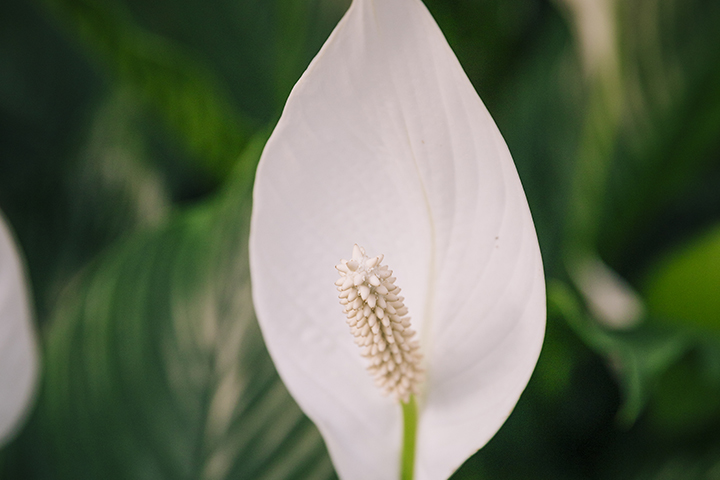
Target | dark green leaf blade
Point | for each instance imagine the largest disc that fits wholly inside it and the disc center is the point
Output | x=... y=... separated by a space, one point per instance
x=155 y=366
x=186 y=94
x=638 y=357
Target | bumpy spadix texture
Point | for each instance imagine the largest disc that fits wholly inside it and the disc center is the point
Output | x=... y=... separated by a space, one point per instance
x=385 y=143
x=379 y=320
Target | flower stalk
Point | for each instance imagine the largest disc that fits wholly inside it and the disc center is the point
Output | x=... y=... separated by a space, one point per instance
x=410 y=418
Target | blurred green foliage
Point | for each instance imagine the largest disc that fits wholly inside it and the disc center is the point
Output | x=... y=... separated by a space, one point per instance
x=683 y=287
x=130 y=132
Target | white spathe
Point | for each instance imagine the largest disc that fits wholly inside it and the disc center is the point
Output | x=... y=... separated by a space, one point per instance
x=18 y=349
x=385 y=143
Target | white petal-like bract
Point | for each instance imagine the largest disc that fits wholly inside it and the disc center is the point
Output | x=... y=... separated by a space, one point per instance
x=18 y=350
x=385 y=143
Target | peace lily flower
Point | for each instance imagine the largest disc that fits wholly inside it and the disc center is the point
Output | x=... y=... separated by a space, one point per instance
x=18 y=351
x=384 y=144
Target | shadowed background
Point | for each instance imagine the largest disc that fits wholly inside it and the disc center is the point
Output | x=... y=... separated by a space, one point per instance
x=129 y=135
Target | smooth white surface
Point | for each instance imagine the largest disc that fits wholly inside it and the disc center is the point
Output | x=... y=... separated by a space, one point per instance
x=385 y=143
x=18 y=351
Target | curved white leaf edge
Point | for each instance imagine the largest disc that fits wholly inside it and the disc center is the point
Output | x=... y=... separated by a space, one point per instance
x=19 y=360
x=384 y=142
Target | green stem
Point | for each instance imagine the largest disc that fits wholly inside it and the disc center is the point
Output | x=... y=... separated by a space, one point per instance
x=407 y=460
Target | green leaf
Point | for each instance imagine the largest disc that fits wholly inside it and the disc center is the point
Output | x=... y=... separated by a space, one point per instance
x=155 y=366
x=684 y=286
x=538 y=115
x=187 y=94
x=664 y=175
x=685 y=403
x=112 y=187
x=639 y=357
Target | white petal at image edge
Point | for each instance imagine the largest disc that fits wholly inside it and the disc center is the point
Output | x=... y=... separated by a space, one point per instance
x=18 y=348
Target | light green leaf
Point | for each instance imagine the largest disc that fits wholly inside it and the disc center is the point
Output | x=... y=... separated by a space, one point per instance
x=187 y=94
x=684 y=286
x=156 y=366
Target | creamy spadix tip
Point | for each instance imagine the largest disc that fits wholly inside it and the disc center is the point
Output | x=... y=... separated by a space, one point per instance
x=379 y=321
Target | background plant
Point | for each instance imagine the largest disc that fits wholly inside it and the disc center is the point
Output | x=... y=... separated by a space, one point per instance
x=130 y=131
